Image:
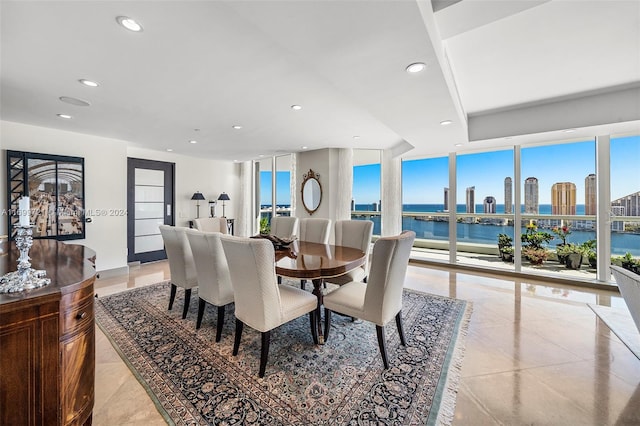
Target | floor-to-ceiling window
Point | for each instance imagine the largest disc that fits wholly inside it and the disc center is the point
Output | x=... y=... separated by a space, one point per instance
x=283 y=185
x=625 y=196
x=275 y=188
x=425 y=209
x=484 y=206
x=559 y=208
x=365 y=195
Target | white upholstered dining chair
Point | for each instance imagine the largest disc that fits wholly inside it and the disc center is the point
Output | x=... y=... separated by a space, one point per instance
x=314 y=230
x=284 y=226
x=211 y=224
x=214 y=281
x=181 y=265
x=355 y=234
x=380 y=300
x=260 y=302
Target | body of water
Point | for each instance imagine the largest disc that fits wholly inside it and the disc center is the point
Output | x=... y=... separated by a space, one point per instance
x=621 y=242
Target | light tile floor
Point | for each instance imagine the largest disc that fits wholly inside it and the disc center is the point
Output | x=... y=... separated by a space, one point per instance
x=536 y=354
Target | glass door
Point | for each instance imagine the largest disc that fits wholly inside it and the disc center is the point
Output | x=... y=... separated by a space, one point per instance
x=150 y=203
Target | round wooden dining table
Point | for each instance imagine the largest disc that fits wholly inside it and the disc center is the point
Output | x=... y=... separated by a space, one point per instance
x=316 y=262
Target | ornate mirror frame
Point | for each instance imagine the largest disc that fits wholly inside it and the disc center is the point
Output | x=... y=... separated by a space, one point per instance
x=311 y=191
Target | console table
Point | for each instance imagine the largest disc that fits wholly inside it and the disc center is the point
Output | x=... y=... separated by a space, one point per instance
x=47 y=339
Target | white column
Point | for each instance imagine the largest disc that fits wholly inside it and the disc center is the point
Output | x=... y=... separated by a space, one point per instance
x=603 y=201
x=243 y=225
x=453 y=207
x=517 y=211
x=391 y=197
x=292 y=183
x=344 y=184
x=274 y=172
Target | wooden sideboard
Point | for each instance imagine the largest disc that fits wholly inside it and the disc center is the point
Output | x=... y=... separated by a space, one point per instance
x=47 y=339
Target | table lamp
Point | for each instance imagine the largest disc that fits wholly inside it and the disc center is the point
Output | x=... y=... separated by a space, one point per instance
x=224 y=197
x=197 y=196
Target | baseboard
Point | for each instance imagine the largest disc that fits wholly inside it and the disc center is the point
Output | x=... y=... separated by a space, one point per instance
x=108 y=273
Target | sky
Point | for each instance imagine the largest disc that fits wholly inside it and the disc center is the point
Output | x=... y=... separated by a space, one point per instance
x=283 y=188
x=424 y=180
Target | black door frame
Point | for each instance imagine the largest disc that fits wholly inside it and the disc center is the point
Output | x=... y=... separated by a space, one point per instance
x=169 y=198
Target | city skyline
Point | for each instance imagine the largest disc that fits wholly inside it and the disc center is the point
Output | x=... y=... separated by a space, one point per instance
x=424 y=179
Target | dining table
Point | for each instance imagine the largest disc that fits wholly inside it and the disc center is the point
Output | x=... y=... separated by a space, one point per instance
x=317 y=262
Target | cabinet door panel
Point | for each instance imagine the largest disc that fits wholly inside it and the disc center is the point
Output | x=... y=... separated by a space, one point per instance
x=78 y=374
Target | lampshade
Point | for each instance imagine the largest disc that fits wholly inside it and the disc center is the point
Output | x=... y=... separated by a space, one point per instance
x=224 y=197
x=197 y=196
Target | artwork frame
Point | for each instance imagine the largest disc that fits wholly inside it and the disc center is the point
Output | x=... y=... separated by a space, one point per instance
x=56 y=188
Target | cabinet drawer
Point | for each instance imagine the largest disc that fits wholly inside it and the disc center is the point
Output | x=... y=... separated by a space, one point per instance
x=76 y=317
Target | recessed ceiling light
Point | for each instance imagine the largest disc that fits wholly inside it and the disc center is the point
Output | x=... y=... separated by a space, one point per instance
x=129 y=23
x=356 y=137
x=569 y=130
x=89 y=83
x=237 y=127
x=304 y=147
x=169 y=150
x=445 y=122
x=74 y=101
x=192 y=141
x=416 y=67
x=235 y=161
x=65 y=116
x=261 y=155
x=296 y=107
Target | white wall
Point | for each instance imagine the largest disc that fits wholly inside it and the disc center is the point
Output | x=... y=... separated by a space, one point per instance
x=106 y=182
x=105 y=179
x=197 y=174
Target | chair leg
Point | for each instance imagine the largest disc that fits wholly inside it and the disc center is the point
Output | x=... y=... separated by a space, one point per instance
x=187 y=299
x=264 y=352
x=400 y=329
x=201 y=305
x=327 y=324
x=302 y=283
x=383 y=345
x=314 y=328
x=279 y=279
x=220 y=323
x=172 y=295
x=236 y=341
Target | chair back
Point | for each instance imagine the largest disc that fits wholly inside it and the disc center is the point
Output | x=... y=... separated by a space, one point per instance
x=181 y=265
x=211 y=224
x=214 y=280
x=629 y=285
x=253 y=276
x=383 y=298
x=315 y=230
x=355 y=234
x=284 y=226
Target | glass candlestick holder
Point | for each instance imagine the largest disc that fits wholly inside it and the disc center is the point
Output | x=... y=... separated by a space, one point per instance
x=25 y=278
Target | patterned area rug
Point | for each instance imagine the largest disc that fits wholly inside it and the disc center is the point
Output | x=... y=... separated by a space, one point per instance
x=195 y=381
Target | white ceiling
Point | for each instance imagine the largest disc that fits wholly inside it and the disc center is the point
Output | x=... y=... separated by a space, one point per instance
x=209 y=65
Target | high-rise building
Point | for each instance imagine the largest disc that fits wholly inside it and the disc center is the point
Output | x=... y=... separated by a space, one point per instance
x=531 y=195
x=563 y=198
x=446 y=199
x=471 y=199
x=631 y=204
x=489 y=204
x=590 y=188
x=617 y=225
x=508 y=195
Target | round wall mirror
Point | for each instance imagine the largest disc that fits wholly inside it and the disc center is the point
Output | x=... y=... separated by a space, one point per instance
x=311 y=191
